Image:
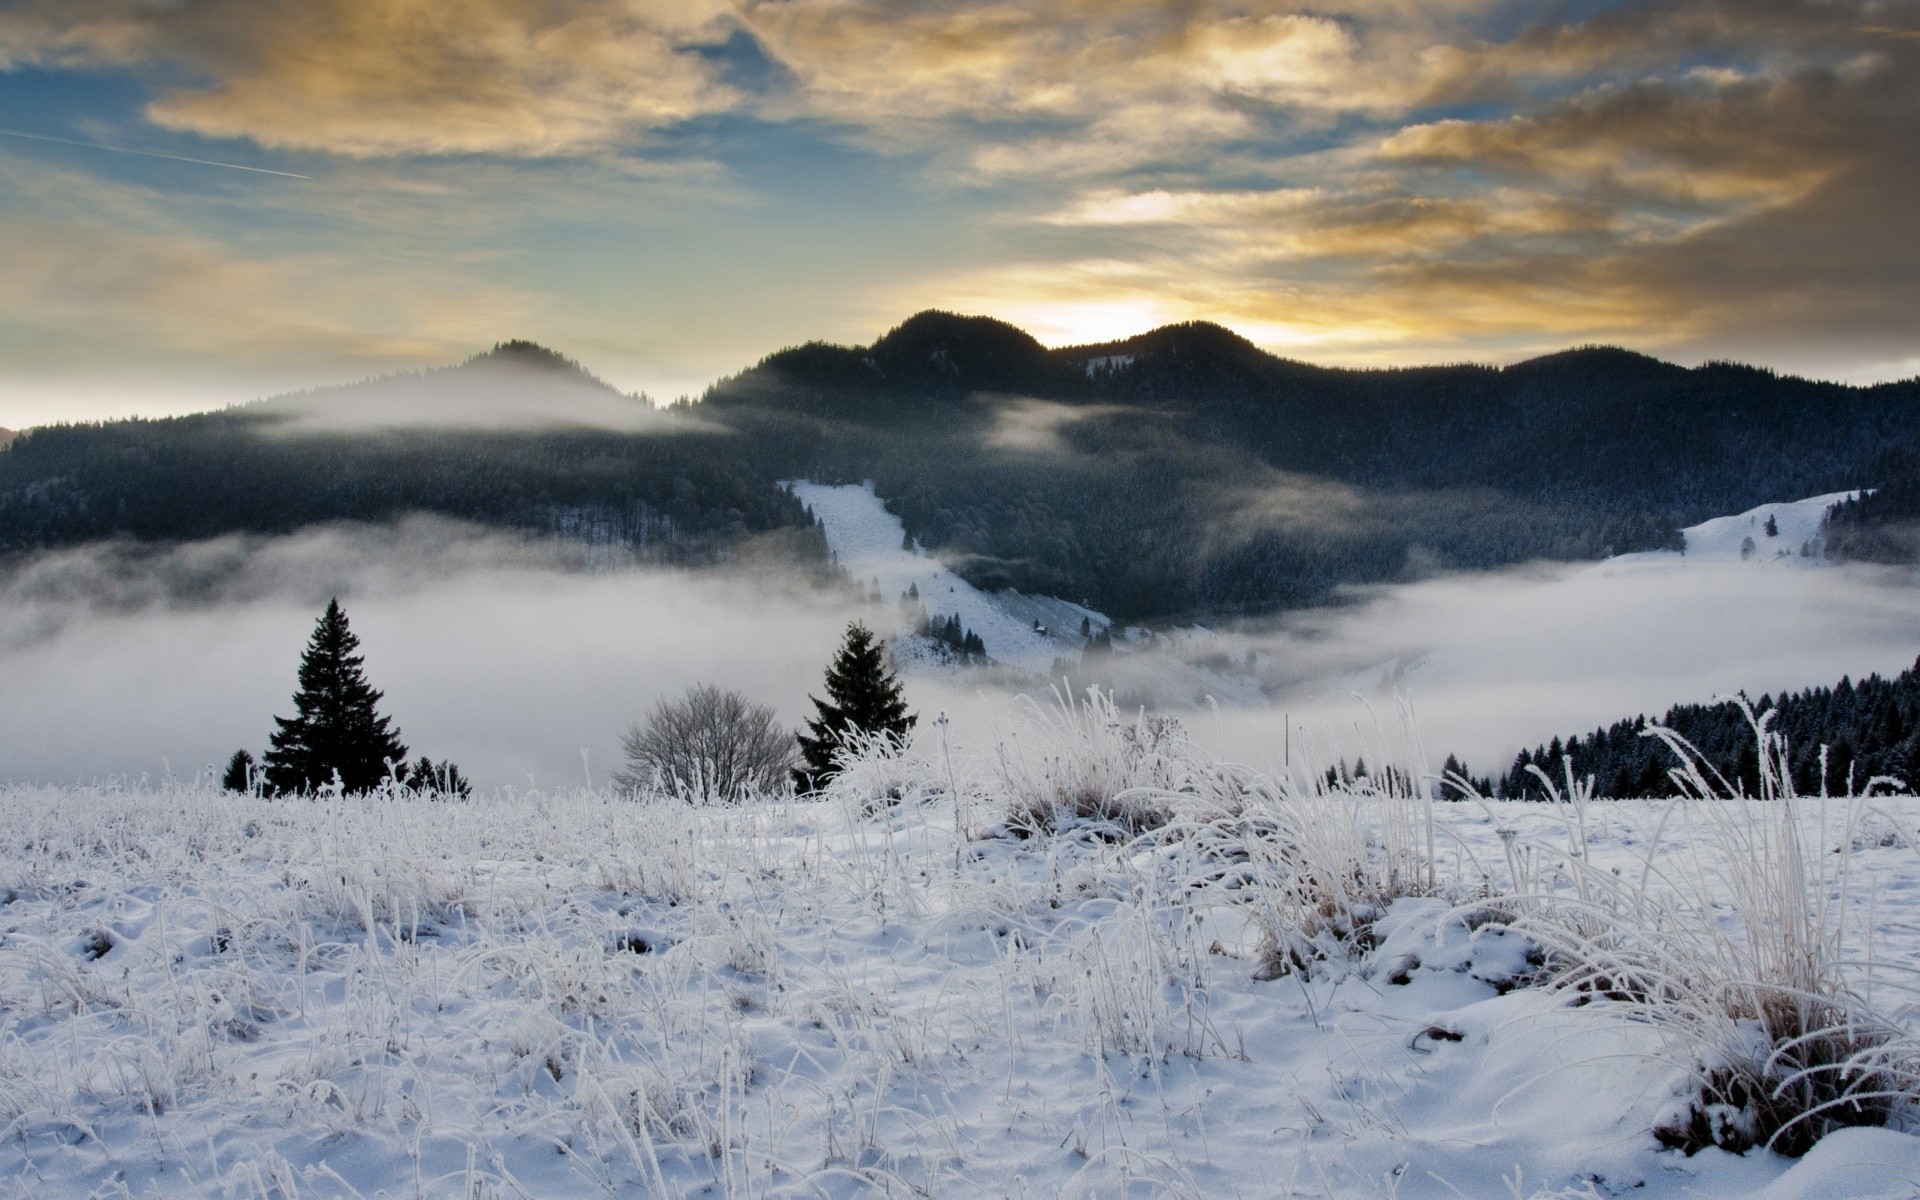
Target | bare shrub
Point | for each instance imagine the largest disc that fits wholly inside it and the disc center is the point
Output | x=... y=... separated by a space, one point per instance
x=710 y=744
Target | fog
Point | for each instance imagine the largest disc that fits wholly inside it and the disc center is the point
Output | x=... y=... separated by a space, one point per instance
x=505 y=656
x=1493 y=662
x=487 y=394
x=492 y=651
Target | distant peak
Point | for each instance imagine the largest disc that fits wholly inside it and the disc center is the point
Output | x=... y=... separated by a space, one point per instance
x=1195 y=333
x=934 y=323
x=520 y=352
x=1595 y=355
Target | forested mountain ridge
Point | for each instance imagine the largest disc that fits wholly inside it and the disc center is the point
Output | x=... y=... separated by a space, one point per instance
x=1187 y=471
x=1183 y=471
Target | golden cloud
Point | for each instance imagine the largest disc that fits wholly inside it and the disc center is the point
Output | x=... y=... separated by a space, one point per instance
x=134 y=289
x=384 y=77
x=1081 y=87
x=1300 y=173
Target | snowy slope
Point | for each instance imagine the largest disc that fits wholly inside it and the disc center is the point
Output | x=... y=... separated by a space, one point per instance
x=205 y=995
x=866 y=539
x=1723 y=539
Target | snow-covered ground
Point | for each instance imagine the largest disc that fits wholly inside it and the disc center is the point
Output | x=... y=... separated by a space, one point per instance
x=1744 y=538
x=868 y=541
x=538 y=995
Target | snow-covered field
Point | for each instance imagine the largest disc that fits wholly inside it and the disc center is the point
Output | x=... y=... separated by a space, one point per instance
x=1027 y=632
x=204 y=994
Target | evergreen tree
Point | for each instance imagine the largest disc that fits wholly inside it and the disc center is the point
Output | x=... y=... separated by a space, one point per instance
x=443 y=778
x=864 y=696
x=239 y=776
x=334 y=729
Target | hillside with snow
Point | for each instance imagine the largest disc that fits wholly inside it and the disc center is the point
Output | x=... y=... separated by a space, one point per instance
x=1105 y=966
x=1021 y=631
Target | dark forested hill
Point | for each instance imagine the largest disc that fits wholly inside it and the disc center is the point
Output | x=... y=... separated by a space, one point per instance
x=518 y=438
x=1884 y=525
x=1186 y=470
x=1181 y=471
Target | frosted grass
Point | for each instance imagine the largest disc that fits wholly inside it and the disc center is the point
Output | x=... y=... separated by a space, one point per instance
x=1077 y=957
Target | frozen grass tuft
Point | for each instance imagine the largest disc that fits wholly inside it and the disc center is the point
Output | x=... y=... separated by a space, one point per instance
x=1737 y=950
x=1079 y=761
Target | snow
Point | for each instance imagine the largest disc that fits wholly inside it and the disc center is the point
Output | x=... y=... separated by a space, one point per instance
x=408 y=997
x=867 y=541
x=1108 y=362
x=1724 y=539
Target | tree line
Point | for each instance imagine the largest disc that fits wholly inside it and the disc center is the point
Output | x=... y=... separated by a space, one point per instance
x=1839 y=740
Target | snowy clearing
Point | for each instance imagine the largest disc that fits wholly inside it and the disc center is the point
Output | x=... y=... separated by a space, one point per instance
x=868 y=540
x=204 y=994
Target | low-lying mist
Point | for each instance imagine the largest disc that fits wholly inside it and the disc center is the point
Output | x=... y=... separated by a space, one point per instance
x=493 y=651
x=529 y=390
x=1492 y=662
x=507 y=656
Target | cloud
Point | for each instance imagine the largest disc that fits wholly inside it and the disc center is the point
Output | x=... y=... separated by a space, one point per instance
x=1029 y=426
x=1003 y=90
x=491 y=393
x=1489 y=663
x=183 y=291
x=1495 y=663
x=383 y=77
x=1364 y=181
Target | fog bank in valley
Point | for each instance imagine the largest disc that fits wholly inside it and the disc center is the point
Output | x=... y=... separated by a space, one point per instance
x=1492 y=662
x=492 y=651
x=506 y=656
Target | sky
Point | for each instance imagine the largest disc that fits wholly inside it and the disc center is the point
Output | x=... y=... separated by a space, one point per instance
x=202 y=201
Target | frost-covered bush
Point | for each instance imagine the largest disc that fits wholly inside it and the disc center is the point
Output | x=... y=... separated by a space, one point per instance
x=878 y=770
x=1314 y=866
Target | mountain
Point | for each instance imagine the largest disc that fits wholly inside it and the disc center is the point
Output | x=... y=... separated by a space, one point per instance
x=1187 y=471
x=1183 y=471
x=519 y=437
x=515 y=386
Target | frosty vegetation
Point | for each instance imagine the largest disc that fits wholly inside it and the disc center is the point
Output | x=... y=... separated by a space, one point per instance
x=709 y=744
x=1077 y=956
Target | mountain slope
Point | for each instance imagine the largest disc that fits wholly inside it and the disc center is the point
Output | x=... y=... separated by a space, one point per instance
x=1183 y=471
x=1187 y=471
x=519 y=438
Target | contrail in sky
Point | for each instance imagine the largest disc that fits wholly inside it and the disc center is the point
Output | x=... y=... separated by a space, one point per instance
x=205 y=162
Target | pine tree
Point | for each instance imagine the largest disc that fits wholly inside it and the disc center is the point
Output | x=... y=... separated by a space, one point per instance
x=240 y=772
x=334 y=729
x=864 y=696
